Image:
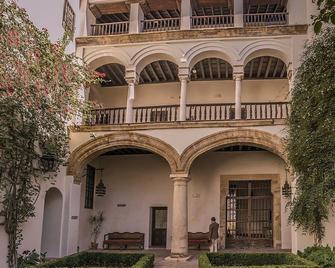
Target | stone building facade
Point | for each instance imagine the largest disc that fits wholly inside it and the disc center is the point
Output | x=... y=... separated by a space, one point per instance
x=191 y=124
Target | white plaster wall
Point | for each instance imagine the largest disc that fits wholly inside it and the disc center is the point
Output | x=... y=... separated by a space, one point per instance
x=139 y=182
x=204 y=188
x=3 y=247
x=198 y=92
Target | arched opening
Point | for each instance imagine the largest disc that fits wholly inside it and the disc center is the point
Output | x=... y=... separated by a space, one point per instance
x=135 y=170
x=236 y=177
x=265 y=80
x=137 y=199
x=109 y=96
x=211 y=69
x=265 y=67
x=52 y=218
x=160 y=71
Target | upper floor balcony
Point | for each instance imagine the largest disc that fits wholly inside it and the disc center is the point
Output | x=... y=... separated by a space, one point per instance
x=133 y=17
x=210 y=90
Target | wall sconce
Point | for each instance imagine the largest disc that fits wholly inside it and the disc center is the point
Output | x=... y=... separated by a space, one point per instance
x=286 y=189
x=48 y=163
x=100 y=189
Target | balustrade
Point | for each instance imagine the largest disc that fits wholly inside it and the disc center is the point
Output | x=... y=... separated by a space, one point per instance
x=214 y=21
x=194 y=112
x=110 y=28
x=166 y=24
x=265 y=19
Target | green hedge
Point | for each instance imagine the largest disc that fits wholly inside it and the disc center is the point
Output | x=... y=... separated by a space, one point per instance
x=102 y=259
x=253 y=260
x=323 y=256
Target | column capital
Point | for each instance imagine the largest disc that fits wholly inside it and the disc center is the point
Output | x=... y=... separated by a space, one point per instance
x=183 y=73
x=238 y=76
x=131 y=76
x=184 y=77
x=180 y=177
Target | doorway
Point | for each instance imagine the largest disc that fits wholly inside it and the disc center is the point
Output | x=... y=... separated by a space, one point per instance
x=158 y=226
x=51 y=230
x=249 y=214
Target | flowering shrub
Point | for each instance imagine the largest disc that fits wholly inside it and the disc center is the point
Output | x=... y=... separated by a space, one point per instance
x=39 y=96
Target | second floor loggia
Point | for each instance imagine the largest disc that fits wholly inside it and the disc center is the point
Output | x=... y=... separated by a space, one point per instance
x=210 y=90
x=131 y=17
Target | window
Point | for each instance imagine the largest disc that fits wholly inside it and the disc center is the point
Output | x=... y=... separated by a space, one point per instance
x=89 y=191
x=68 y=18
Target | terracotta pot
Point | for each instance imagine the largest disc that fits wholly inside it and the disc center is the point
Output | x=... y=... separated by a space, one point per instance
x=94 y=245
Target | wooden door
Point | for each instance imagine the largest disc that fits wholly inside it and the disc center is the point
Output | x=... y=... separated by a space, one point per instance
x=249 y=214
x=158 y=226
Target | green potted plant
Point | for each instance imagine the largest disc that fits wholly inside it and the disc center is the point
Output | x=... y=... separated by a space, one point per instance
x=96 y=222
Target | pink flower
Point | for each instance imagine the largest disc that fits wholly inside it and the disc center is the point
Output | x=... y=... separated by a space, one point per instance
x=100 y=75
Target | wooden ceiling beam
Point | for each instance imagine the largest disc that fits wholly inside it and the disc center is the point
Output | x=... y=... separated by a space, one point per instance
x=149 y=66
x=210 y=68
x=268 y=67
x=147 y=75
x=169 y=70
x=251 y=69
x=161 y=70
x=114 y=75
x=202 y=70
x=218 y=62
x=260 y=68
x=283 y=71
x=276 y=67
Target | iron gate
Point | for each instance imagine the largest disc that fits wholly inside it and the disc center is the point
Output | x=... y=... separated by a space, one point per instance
x=249 y=208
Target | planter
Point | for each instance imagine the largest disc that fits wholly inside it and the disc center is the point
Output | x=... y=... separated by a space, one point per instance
x=94 y=245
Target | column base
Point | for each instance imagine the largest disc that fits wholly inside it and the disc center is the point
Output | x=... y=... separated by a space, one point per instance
x=178 y=257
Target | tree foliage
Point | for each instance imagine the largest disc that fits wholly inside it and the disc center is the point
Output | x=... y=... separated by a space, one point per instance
x=311 y=139
x=326 y=14
x=39 y=86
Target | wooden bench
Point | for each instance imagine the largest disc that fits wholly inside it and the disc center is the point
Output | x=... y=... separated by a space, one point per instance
x=123 y=240
x=198 y=239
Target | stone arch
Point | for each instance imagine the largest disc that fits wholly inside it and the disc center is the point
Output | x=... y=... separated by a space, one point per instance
x=262 y=139
x=154 y=53
x=265 y=48
x=99 y=58
x=93 y=148
x=52 y=220
x=210 y=50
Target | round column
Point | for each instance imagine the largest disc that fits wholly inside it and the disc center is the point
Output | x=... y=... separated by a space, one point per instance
x=183 y=97
x=130 y=100
x=238 y=90
x=179 y=245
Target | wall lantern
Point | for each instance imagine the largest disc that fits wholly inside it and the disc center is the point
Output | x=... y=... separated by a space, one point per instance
x=48 y=163
x=286 y=189
x=100 y=189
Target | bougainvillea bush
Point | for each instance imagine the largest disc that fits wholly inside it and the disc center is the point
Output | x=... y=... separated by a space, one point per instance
x=311 y=137
x=39 y=96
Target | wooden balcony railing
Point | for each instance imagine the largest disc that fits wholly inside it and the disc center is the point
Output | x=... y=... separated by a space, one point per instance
x=121 y=27
x=265 y=19
x=194 y=112
x=226 y=111
x=166 y=24
x=214 y=21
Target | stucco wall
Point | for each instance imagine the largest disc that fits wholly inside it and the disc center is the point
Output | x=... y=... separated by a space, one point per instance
x=199 y=92
x=143 y=181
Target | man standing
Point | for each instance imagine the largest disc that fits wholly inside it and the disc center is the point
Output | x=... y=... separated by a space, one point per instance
x=213 y=235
